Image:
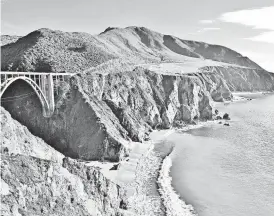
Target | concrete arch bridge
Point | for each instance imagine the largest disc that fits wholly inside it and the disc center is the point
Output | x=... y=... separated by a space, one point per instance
x=42 y=83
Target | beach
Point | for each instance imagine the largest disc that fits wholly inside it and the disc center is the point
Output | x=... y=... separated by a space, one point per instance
x=150 y=173
x=139 y=173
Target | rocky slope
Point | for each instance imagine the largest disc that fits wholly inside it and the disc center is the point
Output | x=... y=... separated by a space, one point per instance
x=7 y=39
x=129 y=81
x=38 y=180
x=99 y=114
x=17 y=139
x=79 y=128
x=49 y=50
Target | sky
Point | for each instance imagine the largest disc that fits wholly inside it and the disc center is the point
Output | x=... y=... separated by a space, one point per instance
x=246 y=26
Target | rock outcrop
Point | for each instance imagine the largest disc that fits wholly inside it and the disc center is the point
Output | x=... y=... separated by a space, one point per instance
x=129 y=81
x=38 y=180
x=97 y=115
x=17 y=139
x=80 y=127
x=245 y=79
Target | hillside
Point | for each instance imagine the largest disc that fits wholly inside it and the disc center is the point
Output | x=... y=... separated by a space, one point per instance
x=38 y=180
x=7 y=39
x=129 y=82
x=50 y=50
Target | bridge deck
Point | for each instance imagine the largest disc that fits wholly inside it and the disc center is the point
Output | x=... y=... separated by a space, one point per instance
x=35 y=73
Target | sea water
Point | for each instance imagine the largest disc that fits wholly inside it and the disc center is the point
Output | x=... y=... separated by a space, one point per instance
x=228 y=170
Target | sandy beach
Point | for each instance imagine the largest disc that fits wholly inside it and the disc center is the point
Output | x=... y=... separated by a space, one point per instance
x=145 y=175
x=139 y=174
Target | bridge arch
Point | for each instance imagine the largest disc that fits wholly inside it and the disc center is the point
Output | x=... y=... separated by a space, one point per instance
x=42 y=97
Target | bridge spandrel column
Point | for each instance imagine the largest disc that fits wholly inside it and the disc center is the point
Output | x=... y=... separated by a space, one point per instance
x=46 y=85
x=51 y=93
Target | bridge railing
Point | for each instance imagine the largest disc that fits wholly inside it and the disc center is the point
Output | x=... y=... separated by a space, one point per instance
x=35 y=73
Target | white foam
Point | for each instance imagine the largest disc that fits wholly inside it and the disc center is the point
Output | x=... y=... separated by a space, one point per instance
x=171 y=200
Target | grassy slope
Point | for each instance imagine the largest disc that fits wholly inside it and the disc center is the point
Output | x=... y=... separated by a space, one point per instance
x=48 y=50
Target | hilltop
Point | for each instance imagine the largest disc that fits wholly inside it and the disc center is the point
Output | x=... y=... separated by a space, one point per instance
x=49 y=50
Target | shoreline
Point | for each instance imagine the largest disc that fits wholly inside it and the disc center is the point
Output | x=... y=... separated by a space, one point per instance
x=151 y=193
x=173 y=203
x=145 y=174
x=139 y=173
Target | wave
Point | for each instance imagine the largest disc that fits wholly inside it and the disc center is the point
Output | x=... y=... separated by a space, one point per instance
x=171 y=200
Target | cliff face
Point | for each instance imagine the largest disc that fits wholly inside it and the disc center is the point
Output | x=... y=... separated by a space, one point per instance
x=38 y=180
x=77 y=127
x=17 y=139
x=97 y=115
x=151 y=99
x=129 y=81
x=245 y=79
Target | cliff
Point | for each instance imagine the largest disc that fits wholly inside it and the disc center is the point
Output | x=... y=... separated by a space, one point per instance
x=99 y=114
x=129 y=82
x=38 y=180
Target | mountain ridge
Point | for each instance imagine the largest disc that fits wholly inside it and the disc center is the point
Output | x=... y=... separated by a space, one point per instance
x=140 y=43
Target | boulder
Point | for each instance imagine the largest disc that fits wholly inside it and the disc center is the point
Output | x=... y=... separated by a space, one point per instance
x=218 y=117
x=226 y=116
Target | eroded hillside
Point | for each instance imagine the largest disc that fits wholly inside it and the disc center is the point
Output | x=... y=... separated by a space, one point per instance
x=97 y=115
x=38 y=180
x=129 y=81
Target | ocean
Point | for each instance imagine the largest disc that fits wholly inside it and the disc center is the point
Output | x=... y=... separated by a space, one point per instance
x=228 y=170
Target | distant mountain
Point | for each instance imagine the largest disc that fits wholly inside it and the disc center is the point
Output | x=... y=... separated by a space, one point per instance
x=50 y=50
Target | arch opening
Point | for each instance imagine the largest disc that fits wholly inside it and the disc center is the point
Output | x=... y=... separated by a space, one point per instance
x=37 y=90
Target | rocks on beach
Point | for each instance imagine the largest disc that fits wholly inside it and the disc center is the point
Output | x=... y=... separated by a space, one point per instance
x=226 y=116
x=115 y=167
x=218 y=117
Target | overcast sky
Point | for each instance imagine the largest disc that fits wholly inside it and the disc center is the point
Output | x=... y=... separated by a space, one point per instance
x=246 y=26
